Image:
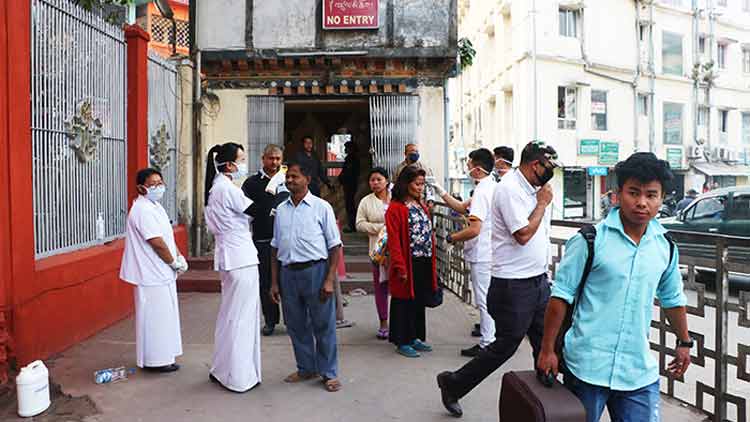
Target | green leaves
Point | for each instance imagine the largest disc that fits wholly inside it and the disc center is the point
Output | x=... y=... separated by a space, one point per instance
x=95 y=5
x=466 y=52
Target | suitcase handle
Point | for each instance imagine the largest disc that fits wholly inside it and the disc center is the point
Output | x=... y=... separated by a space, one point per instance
x=548 y=380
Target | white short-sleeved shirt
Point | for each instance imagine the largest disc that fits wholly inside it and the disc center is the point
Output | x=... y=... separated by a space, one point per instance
x=227 y=221
x=140 y=264
x=479 y=249
x=512 y=204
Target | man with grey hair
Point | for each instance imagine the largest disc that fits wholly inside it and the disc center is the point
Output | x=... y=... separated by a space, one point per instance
x=266 y=194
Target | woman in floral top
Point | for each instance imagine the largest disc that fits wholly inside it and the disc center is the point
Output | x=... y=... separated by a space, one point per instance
x=411 y=273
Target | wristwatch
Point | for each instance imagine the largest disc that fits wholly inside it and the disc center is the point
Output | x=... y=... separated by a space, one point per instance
x=685 y=343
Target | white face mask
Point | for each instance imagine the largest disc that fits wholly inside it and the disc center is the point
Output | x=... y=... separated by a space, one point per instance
x=471 y=170
x=155 y=193
x=241 y=172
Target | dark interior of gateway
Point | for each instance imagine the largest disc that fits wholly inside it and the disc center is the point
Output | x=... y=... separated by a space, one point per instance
x=331 y=123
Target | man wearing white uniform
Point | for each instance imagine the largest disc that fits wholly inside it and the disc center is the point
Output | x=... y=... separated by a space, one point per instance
x=477 y=238
x=151 y=262
x=236 y=360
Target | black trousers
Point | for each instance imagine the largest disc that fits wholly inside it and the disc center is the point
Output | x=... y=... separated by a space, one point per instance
x=408 y=321
x=351 y=211
x=517 y=306
x=271 y=311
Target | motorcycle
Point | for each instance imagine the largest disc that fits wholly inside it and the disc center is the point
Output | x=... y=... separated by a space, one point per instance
x=668 y=206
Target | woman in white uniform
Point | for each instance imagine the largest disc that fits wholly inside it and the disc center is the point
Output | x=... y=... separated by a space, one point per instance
x=236 y=360
x=151 y=262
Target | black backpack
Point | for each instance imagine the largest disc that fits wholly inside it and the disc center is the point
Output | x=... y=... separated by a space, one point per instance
x=589 y=234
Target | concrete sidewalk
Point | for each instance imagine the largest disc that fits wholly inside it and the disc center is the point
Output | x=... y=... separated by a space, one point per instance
x=378 y=384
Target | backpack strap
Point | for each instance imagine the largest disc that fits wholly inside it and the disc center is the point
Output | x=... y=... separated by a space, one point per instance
x=589 y=235
x=671 y=248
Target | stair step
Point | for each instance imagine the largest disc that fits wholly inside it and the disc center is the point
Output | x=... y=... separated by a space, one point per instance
x=201 y=262
x=203 y=281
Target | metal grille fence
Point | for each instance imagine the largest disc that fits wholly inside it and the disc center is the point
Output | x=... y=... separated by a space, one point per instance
x=161 y=31
x=78 y=111
x=393 y=125
x=265 y=120
x=163 y=96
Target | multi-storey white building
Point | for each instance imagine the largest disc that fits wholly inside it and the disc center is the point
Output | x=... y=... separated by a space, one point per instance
x=602 y=79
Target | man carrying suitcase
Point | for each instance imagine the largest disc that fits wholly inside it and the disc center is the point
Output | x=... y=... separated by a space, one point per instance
x=606 y=350
x=519 y=289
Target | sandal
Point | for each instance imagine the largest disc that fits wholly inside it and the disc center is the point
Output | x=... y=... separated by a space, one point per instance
x=296 y=377
x=382 y=334
x=332 y=385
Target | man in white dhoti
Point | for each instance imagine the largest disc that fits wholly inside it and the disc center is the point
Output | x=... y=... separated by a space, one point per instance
x=151 y=262
x=236 y=360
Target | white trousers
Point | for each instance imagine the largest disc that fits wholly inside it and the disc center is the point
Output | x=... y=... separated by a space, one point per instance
x=480 y=283
x=157 y=325
x=236 y=360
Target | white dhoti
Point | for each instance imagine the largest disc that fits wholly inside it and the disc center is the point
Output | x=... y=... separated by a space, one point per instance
x=157 y=325
x=236 y=360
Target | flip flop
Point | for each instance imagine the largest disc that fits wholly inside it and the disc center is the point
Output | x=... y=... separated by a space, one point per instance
x=296 y=377
x=332 y=385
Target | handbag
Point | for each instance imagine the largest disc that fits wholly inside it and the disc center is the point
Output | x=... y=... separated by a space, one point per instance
x=379 y=253
x=435 y=298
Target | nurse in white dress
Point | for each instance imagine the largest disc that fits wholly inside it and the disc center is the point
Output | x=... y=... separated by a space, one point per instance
x=236 y=360
x=151 y=262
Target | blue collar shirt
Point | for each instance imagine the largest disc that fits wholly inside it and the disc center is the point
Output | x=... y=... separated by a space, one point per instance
x=304 y=232
x=608 y=342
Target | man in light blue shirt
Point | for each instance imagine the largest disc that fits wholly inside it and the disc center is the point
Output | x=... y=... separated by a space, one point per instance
x=305 y=253
x=606 y=350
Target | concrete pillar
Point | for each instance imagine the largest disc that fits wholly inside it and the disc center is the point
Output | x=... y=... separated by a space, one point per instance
x=137 y=40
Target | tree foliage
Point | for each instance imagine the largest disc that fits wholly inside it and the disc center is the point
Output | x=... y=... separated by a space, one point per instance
x=98 y=5
x=466 y=52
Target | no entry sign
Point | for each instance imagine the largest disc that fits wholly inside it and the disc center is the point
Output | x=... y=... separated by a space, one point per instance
x=350 y=14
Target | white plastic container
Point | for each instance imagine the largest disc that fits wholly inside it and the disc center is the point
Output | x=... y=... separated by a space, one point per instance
x=32 y=385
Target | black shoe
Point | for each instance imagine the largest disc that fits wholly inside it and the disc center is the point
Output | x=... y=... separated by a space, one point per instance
x=471 y=351
x=212 y=378
x=163 y=369
x=449 y=401
x=476 y=331
x=268 y=330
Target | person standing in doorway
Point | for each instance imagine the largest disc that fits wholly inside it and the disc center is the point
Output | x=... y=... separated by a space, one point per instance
x=477 y=238
x=305 y=252
x=519 y=288
x=308 y=159
x=412 y=158
x=236 y=359
x=371 y=220
x=606 y=350
x=349 y=179
x=151 y=262
x=503 y=161
x=266 y=199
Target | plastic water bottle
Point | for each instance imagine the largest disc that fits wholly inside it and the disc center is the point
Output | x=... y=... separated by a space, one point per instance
x=105 y=376
x=100 y=228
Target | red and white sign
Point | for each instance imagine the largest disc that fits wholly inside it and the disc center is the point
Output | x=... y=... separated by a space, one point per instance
x=350 y=14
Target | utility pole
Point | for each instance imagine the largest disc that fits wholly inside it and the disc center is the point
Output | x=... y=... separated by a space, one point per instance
x=533 y=61
x=696 y=70
x=709 y=82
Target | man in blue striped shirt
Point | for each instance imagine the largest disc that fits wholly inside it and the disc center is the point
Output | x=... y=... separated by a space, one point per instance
x=606 y=350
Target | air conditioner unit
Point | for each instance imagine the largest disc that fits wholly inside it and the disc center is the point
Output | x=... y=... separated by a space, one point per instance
x=695 y=151
x=725 y=154
x=733 y=156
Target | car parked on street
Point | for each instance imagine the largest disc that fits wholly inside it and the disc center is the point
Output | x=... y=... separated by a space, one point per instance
x=720 y=211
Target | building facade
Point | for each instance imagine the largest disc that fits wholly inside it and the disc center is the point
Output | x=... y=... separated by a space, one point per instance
x=160 y=28
x=601 y=80
x=372 y=72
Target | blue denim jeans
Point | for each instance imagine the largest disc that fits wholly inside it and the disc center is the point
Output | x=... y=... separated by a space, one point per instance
x=311 y=324
x=641 y=405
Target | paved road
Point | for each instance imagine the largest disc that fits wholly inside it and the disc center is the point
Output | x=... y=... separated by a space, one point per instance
x=378 y=384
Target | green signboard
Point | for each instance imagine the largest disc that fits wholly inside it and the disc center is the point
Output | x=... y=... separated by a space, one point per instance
x=588 y=147
x=609 y=152
x=674 y=157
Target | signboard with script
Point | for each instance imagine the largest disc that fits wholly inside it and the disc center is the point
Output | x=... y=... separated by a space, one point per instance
x=588 y=147
x=597 y=171
x=609 y=152
x=674 y=157
x=350 y=14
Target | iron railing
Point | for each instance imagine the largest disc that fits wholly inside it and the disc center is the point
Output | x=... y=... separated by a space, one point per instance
x=718 y=321
x=78 y=103
x=393 y=123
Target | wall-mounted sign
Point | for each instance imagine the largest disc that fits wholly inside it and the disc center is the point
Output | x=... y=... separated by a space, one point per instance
x=588 y=147
x=597 y=171
x=350 y=14
x=674 y=157
x=609 y=152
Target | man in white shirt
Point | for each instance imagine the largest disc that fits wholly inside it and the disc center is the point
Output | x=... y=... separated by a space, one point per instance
x=519 y=289
x=151 y=262
x=477 y=238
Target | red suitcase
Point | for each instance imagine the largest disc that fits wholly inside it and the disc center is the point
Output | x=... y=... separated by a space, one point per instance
x=523 y=398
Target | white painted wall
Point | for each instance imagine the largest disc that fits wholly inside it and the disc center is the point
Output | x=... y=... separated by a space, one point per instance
x=430 y=132
x=221 y=24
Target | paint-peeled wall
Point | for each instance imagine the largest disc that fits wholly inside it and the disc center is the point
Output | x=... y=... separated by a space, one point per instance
x=431 y=130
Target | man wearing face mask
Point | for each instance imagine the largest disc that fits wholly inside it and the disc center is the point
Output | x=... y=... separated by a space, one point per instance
x=477 y=237
x=503 y=162
x=151 y=262
x=411 y=158
x=519 y=289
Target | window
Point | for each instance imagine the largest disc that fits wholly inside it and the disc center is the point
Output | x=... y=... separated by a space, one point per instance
x=740 y=207
x=672 y=124
x=722 y=3
x=746 y=60
x=569 y=23
x=723 y=120
x=722 y=56
x=598 y=110
x=671 y=54
x=746 y=5
x=676 y=3
x=702 y=115
x=702 y=44
x=643 y=33
x=746 y=128
x=708 y=210
x=643 y=104
x=566 y=107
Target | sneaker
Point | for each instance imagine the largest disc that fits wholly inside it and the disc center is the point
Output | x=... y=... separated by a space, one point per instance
x=422 y=347
x=472 y=351
x=407 y=351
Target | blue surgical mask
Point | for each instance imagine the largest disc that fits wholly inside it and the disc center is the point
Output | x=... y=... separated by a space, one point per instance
x=241 y=172
x=155 y=193
x=414 y=157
